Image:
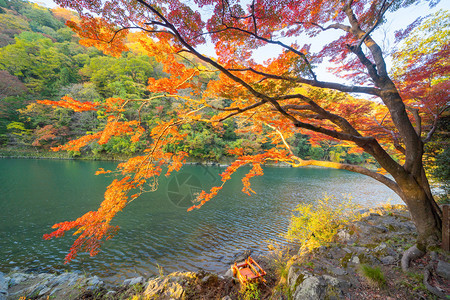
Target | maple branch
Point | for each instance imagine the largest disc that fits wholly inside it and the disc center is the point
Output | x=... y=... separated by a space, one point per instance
x=395 y=138
x=377 y=54
x=332 y=26
x=381 y=13
x=269 y=41
x=253 y=17
x=298 y=108
x=119 y=30
x=435 y=123
x=417 y=118
x=356 y=169
x=282 y=138
x=238 y=109
x=321 y=84
x=353 y=168
x=371 y=67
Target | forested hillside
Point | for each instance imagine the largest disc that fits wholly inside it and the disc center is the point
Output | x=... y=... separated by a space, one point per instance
x=40 y=58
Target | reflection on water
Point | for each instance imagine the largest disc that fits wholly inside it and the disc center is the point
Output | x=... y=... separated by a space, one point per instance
x=156 y=230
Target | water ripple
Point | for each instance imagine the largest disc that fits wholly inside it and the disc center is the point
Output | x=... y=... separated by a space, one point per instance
x=156 y=235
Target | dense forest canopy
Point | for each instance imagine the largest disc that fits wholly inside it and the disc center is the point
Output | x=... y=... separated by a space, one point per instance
x=193 y=105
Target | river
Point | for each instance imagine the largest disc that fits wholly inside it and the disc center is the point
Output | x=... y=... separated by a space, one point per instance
x=157 y=233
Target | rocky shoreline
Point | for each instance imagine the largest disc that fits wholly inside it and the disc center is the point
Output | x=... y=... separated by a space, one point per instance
x=338 y=271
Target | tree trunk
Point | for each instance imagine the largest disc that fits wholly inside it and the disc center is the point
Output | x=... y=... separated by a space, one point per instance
x=424 y=214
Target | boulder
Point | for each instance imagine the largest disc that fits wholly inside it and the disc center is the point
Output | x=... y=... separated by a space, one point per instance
x=17 y=278
x=133 y=281
x=295 y=276
x=388 y=260
x=321 y=287
x=3 y=287
x=228 y=273
x=443 y=269
x=367 y=230
x=168 y=287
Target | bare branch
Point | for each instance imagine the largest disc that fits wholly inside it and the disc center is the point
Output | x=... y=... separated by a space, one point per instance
x=434 y=126
x=332 y=26
x=417 y=118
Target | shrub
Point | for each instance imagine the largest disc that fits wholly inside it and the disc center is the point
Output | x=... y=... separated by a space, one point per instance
x=250 y=291
x=316 y=224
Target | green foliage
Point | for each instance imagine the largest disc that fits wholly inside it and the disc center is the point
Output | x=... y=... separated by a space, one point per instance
x=374 y=275
x=316 y=224
x=18 y=128
x=39 y=63
x=40 y=17
x=250 y=291
x=124 y=77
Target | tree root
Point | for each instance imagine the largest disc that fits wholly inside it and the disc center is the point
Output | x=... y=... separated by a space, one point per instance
x=410 y=254
x=435 y=291
x=414 y=253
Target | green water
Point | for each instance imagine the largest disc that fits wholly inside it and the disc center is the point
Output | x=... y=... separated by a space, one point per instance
x=156 y=230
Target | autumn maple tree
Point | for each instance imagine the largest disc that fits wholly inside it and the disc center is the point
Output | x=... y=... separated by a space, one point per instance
x=276 y=99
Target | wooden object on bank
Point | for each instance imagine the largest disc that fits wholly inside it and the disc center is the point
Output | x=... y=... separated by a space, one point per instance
x=248 y=271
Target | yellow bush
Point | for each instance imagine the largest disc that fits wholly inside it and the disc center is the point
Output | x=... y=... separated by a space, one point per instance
x=316 y=224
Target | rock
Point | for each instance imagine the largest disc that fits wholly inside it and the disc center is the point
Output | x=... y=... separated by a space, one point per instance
x=55 y=291
x=367 y=229
x=310 y=289
x=344 y=236
x=168 y=286
x=295 y=276
x=36 y=289
x=44 y=276
x=229 y=273
x=388 y=260
x=3 y=287
x=320 y=287
x=337 y=271
x=241 y=256
x=110 y=294
x=17 y=278
x=355 y=260
x=133 y=281
x=3 y=282
x=433 y=255
x=94 y=281
x=380 y=247
x=72 y=280
x=443 y=269
x=61 y=279
x=44 y=291
x=209 y=279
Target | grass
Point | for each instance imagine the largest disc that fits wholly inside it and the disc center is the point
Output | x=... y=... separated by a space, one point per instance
x=374 y=275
